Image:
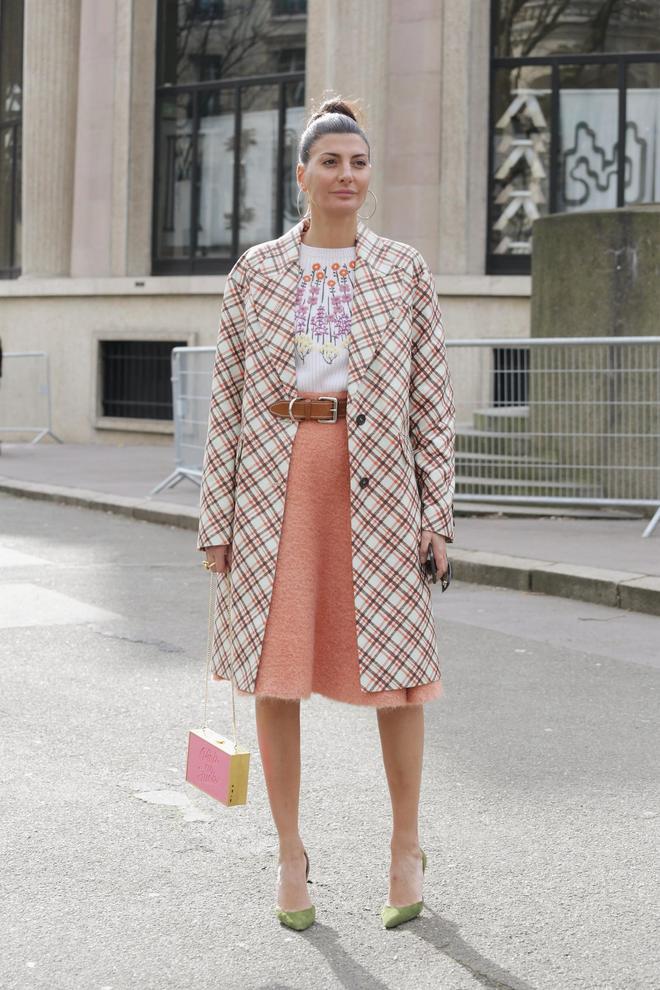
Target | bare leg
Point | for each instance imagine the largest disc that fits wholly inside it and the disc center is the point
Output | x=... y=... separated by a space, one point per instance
x=402 y=742
x=278 y=732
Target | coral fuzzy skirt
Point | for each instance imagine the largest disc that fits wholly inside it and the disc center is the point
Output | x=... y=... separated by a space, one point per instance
x=310 y=641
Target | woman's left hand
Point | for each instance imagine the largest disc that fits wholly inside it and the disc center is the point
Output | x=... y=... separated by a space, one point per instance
x=439 y=549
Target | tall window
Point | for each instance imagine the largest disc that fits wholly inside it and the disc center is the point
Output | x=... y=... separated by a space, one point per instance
x=11 y=105
x=230 y=108
x=575 y=114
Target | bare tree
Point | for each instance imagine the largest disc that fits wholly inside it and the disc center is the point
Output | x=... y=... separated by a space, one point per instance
x=235 y=36
x=540 y=18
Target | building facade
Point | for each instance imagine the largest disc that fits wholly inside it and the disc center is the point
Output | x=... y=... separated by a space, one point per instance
x=147 y=143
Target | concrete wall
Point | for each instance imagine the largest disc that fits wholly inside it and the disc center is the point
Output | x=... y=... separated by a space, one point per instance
x=69 y=327
x=596 y=273
x=67 y=318
x=595 y=407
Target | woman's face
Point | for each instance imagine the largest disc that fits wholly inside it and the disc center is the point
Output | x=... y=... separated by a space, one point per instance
x=337 y=162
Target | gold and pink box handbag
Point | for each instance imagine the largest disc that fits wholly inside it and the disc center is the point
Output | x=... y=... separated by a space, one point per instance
x=216 y=764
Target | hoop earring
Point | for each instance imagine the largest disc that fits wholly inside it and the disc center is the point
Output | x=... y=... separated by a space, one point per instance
x=374 y=209
x=301 y=215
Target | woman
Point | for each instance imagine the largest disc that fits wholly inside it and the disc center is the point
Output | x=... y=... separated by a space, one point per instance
x=328 y=473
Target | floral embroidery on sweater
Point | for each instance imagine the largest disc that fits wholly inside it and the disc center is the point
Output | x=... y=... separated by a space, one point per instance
x=323 y=308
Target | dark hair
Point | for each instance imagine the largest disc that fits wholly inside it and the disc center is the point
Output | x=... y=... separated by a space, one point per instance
x=334 y=116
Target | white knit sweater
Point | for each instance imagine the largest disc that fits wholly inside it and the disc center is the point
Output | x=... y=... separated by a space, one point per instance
x=323 y=318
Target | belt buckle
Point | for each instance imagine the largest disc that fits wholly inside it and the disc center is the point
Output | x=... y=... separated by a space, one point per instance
x=333 y=419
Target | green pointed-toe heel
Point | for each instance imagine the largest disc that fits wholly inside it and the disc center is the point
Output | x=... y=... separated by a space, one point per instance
x=298 y=920
x=393 y=916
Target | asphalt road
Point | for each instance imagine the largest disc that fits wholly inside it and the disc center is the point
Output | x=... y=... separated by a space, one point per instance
x=540 y=805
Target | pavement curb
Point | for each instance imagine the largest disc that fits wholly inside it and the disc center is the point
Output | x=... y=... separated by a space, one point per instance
x=150 y=510
x=618 y=589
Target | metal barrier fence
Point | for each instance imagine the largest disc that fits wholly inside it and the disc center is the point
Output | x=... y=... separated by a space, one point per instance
x=192 y=374
x=559 y=421
x=25 y=405
x=545 y=421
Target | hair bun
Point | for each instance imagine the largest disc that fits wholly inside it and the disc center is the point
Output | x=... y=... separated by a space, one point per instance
x=334 y=105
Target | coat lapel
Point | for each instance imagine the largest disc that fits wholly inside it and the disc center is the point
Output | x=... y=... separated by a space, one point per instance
x=376 y=301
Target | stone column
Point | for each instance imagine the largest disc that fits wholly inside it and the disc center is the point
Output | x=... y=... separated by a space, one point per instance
x=462 y=113
x=93 y=183
x=50 y=75
x=421 y=69
x=412 y=166
x=133 y=169
x=114 y=151
x=347 y=54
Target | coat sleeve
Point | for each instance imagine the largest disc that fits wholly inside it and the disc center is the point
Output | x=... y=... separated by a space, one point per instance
x=216 y=508
x=432 y=412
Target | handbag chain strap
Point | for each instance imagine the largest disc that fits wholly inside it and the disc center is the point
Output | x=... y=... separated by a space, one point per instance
x=213 y=586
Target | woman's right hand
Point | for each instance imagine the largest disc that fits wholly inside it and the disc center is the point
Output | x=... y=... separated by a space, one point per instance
x=220 y=556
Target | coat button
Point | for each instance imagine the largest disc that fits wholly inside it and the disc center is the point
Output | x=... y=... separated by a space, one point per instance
x=360 y=419
x=363 y=482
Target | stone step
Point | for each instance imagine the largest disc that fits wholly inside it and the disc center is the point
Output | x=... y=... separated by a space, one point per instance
x=470 y=484
x=522 y=468
x=502 y=419
x=471 y=440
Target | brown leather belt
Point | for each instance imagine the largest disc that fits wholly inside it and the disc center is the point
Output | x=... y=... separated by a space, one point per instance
x=325 y=409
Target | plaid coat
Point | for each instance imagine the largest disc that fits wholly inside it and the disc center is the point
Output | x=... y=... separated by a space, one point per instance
x=398 y=379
